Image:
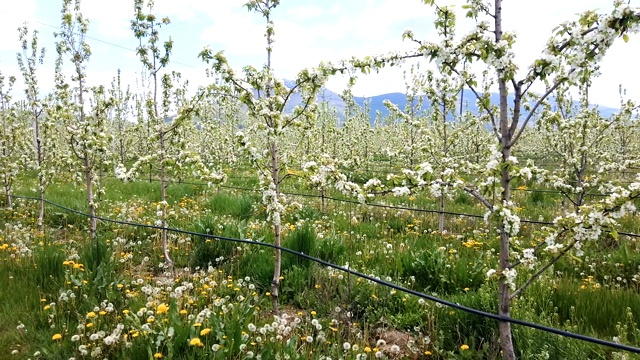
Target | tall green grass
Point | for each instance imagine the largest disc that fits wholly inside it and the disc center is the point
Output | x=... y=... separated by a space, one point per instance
x=240 y=207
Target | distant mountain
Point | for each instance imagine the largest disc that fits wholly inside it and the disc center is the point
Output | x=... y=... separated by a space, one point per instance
x=331 y=98
x=376 y=103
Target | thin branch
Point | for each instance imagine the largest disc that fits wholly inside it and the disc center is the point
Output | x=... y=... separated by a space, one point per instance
x=190 y=110
x=542 y=270
x=284 y=177
x=568 y=197
x=537 y=248
x=304 y=109
x=291 y=91
x=568 y=42
x=488 y=110
x=73 y=148
x=478 y=196
x=517 y=103
x=535 y=107
x=526 y=89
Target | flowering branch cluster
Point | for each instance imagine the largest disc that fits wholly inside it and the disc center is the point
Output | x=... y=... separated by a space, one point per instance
x=13 y=140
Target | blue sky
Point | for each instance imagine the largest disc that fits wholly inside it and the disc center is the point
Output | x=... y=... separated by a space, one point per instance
x=307 y=32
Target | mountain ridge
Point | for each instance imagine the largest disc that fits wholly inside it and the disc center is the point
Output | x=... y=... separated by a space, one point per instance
x=376 y=103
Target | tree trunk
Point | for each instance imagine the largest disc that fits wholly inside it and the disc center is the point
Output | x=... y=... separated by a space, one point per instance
x=277 y=231
x=86 y=157
x=504 y=292
x=123 y=158
x=39 y=162
x=504 y=295
x=441 y=214
x=88 y=176
x=7 y=191
x=445 y=150
x=41 y=203
x=163 y=204
x=149 y=139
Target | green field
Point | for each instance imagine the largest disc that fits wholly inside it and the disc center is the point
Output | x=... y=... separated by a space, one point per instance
x=68 y=296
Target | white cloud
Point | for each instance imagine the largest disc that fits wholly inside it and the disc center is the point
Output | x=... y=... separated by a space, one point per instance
x=308 y=32
x=306 y=12
x=11 y=18
x=109 y=20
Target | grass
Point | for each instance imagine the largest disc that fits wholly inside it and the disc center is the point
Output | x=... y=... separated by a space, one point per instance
x=121 y=276
x=210 y=251
x=594 y=310
x=241 y=207
x=303 y=240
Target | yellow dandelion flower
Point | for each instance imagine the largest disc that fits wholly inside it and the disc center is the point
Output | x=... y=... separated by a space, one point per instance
x=464 y=347
x=205 y=331
x=162 y=309
x=196 y=342
x=56 y=337
x=157 y=355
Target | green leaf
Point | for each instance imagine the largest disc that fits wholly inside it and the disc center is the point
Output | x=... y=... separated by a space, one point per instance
x=625 y=38
x=614 y=234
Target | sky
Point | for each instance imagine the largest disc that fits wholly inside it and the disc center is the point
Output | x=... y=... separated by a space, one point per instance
x=306 y=33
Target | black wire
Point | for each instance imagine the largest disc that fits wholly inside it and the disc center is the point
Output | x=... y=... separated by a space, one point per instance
x=110 y=43
x=556 y=192
x=430 y=211
x=363 y=276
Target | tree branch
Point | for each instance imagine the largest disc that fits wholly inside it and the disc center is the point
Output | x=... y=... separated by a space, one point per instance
x=488 y=110
x=542 y=270
x=535 y=107
x=478 y=196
